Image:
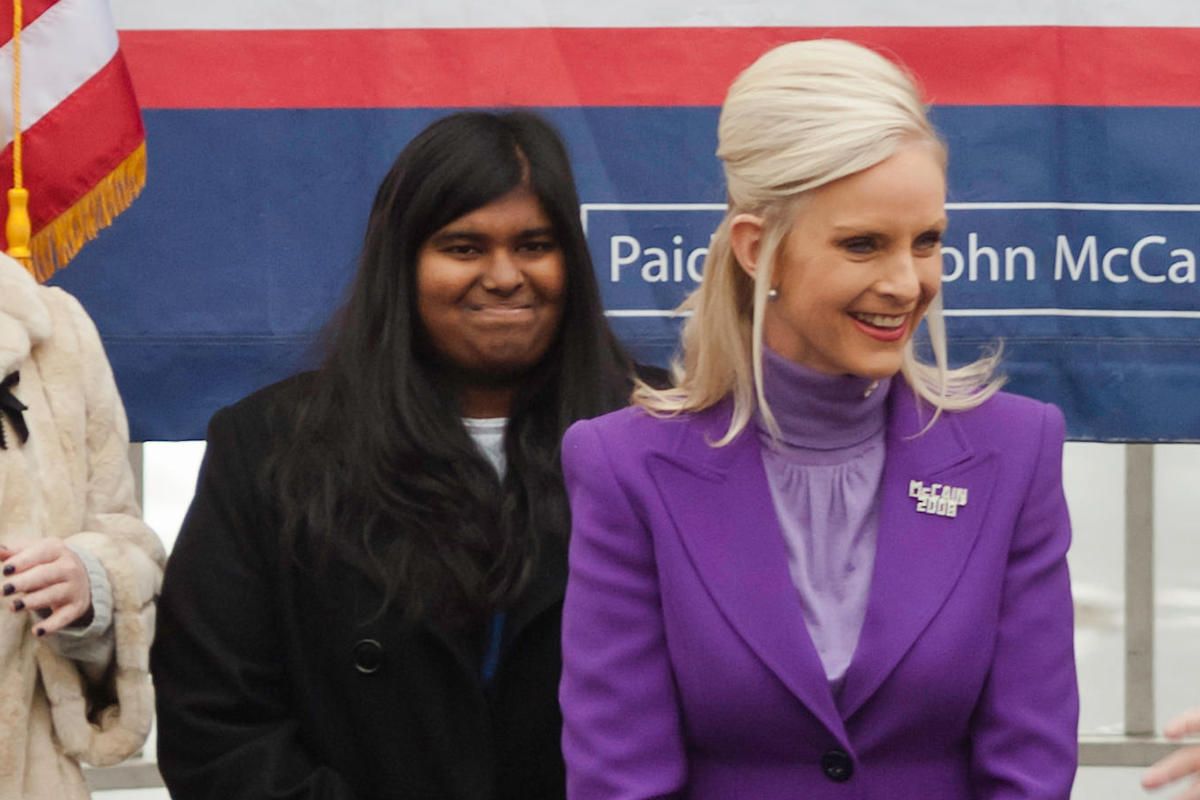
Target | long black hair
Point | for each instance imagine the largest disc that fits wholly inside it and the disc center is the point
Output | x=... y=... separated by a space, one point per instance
x=380 y=469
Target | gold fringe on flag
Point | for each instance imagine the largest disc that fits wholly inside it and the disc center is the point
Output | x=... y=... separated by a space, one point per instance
x=59 y=241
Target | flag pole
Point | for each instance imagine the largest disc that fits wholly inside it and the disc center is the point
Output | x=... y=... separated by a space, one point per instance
x=17 y=228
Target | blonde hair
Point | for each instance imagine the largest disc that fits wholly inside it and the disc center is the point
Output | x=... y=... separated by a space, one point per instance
x=803 y=115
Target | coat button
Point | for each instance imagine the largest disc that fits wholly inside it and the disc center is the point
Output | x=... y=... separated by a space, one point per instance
x=368 y=656
x=837 y=766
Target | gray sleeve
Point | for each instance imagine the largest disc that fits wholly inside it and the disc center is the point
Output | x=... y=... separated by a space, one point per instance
x=90 y=646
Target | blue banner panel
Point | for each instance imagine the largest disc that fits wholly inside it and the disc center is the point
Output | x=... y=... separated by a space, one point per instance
x=1072 y=239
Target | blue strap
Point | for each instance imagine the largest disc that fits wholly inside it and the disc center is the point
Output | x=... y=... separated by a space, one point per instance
x=492 y=656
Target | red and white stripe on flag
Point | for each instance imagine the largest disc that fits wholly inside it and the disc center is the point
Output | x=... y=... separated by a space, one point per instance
x=84 y=153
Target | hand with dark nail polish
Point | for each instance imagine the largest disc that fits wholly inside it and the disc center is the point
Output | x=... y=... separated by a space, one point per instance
x=19 y=605
x=9 y=569
x=8 y=589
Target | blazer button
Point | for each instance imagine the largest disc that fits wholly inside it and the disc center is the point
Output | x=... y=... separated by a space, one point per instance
x=837 y=766
x=368 y=656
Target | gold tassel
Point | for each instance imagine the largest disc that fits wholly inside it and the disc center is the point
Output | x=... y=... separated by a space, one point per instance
x=59 y=241
x=16 y=228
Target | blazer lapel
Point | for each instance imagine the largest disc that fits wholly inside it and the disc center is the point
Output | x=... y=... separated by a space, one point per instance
x=919 y=556
x=721 y=505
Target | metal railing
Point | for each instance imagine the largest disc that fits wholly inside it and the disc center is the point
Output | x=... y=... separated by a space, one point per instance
x=1139 y=745
x=135 y=773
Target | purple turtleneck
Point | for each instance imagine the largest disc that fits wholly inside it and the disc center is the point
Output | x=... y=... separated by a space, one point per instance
x=824 y=476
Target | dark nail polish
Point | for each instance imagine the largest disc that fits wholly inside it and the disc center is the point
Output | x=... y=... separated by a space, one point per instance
x=40 y=631
x=9 y=569
x=19 y=605
x=8 y=589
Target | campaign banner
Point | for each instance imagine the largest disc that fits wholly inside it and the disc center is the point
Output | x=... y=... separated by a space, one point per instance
x=1073 y=193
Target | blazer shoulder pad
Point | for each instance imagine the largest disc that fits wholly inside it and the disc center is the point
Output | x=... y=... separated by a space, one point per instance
x=1007 y=419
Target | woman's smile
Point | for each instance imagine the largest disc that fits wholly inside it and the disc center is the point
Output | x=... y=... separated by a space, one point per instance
x=883 y=327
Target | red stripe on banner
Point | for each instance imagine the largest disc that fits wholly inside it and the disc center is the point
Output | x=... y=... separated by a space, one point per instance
x=80 y=141
x=30 y=10
x=641 y=66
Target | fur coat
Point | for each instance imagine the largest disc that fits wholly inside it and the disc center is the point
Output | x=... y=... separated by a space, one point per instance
x=71 y=479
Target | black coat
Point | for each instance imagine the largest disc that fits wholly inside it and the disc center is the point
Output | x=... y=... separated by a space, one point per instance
x=270 y=684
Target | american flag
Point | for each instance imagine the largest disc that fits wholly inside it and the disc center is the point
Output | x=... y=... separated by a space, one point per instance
x=83 y=154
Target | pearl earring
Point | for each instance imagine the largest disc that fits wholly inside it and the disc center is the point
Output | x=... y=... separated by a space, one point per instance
x=772 y=294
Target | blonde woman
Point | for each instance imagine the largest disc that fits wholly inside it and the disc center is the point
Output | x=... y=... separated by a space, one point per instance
x=820 y=567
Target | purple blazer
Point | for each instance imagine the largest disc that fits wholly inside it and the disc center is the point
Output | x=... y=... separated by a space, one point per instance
x=687 y=667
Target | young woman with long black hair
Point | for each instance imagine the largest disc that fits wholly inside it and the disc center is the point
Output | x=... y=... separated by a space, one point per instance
x=364 y=600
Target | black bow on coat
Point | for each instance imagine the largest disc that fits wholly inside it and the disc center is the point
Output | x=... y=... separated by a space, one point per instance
x=11 y=407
